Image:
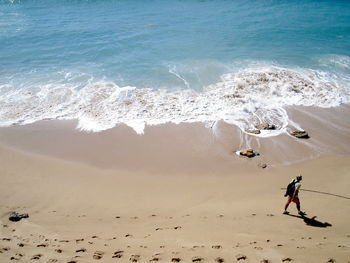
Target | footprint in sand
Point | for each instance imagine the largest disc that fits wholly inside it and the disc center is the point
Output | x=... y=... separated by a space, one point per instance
x=331 y=260
x=177 y=227
x=79 y=240
x=98 y=255
x=154 y=259
x=128 y=235
x=286 y=259
x=18 y=256
x=241 y=257
x=216 y=247
x=118 y=254
x=219 y=260
x=197 y=259
x=264 y=261
x=175 y=259
x=42 y=245
x=80 y=250
x=59 y=250
x=4 y=249
x=134 y=258
x=6 y=239
x=36 y=257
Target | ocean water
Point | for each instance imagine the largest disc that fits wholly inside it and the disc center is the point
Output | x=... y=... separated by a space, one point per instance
x=147 y=62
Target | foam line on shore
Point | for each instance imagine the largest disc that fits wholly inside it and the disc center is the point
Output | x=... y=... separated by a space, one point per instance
x=244 y=98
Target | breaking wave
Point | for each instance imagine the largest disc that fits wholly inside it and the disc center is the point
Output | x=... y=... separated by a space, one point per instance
x=244 y=98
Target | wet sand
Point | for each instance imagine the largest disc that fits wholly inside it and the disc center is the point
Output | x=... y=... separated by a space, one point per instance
x=177 y=194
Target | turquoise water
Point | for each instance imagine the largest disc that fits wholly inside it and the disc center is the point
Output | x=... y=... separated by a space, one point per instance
x=65 y=59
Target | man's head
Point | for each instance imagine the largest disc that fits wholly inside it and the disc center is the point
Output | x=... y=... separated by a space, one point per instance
x=299 y=178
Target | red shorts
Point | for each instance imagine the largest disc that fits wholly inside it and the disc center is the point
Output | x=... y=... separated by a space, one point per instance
x=295 y=200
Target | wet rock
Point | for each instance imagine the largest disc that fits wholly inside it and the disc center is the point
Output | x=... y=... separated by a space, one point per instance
x=15 y=216
x=248 y=153
x=300 y=134
x=265 y=126
x=254 y=131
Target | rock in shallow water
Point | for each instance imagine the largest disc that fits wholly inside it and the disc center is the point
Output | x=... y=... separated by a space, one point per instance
x=300 y=134
x=265 y=126
x=15 y=216
x=248 y=153
x=253 y=131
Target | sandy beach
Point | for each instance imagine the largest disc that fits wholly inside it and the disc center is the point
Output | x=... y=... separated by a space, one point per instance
x=176 y=194
x=169 y=131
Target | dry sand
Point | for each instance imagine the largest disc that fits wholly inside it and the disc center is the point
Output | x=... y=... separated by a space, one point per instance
x=176 y=194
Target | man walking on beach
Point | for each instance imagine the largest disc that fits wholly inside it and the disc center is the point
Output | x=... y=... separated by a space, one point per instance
x=292 y=193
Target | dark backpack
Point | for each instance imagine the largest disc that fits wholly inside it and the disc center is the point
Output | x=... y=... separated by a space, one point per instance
x=290 y=188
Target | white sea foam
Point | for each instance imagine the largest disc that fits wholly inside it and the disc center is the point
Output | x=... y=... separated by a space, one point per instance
x=244 y=98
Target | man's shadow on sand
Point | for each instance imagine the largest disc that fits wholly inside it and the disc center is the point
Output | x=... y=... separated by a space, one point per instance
x=312 y=221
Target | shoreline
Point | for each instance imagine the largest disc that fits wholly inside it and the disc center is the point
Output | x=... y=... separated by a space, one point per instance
x=185 y=147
